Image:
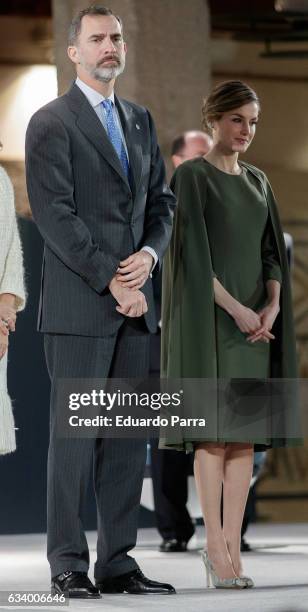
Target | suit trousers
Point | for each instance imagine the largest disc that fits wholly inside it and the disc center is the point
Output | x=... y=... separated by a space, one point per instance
x=118 y=463
x=170 y=471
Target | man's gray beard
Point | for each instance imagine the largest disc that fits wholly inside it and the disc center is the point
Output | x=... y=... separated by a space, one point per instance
x=107 y=74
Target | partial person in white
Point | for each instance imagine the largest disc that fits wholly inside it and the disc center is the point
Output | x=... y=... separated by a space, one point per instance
x=12 y=300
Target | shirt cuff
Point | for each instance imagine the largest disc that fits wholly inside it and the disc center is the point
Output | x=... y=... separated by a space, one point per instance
x=154 y=255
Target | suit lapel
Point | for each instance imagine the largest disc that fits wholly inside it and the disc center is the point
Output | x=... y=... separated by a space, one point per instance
x=129 y=122
x=90 y=125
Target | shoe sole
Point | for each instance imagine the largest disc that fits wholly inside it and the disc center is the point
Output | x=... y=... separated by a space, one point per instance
x=76 y=595
x=123 y=592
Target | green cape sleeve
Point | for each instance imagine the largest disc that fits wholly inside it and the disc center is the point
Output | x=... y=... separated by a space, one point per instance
x=188 y=315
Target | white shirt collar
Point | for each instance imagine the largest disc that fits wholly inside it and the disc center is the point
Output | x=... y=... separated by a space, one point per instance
x=94 y=97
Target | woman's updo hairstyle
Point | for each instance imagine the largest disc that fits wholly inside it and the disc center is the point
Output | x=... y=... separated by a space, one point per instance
x=225 y=97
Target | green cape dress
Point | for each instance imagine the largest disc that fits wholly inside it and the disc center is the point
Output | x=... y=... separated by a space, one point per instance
x=214 y=207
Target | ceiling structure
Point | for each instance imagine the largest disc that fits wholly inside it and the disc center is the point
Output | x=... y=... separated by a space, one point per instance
x=244 y=20
x=34 y=8
x=268 y=21
x=280 y=25
x=26 y=35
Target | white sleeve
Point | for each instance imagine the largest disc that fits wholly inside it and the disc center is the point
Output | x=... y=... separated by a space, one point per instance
x=12 y=277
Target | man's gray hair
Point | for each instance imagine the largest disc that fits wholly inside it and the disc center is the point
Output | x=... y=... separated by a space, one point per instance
x=94 y=9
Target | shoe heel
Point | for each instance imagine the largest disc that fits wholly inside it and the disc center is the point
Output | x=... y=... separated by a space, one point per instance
x=220 y=583
x=208 y=577
x=207 y=570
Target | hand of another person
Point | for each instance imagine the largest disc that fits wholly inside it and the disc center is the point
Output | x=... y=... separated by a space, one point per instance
x=268 y=315
x=8 y=315
x=4 y=342
x=131 y=303
x=134 y=271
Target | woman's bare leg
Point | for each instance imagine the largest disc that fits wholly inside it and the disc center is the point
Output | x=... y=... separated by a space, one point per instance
x=237 y=476
x=209 y=474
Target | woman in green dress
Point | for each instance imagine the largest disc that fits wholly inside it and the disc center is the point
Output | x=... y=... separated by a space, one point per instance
x=227 y=311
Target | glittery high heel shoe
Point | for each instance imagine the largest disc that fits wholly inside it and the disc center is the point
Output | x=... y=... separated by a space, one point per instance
x=249 y=581
x=220 y=583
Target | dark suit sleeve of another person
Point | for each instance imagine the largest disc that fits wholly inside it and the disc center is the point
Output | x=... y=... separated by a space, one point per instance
x=50 y=184
x=160 y=202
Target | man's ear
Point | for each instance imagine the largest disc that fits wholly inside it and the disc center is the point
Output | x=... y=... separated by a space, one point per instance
x=176 y=160
x=73 y=54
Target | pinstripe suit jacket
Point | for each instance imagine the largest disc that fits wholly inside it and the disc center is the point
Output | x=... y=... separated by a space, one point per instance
x=87 y=212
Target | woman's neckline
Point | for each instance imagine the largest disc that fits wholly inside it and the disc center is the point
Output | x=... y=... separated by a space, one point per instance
x=223 y=171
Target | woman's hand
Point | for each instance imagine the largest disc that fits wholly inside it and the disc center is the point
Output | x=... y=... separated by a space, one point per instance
x=7 y=315
x=257 y=325
x=248 y=321
x=4 y=342
x=268 y=315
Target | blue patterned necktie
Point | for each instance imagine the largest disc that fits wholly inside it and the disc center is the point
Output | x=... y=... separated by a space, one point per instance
x=115 y=135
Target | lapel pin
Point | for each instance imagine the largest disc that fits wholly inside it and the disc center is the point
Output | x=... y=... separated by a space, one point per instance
x=137 y=126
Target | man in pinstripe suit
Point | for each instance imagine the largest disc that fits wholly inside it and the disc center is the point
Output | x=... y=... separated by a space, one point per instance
x=97 y=188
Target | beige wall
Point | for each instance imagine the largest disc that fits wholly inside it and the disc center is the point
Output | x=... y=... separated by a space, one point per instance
x=23 y=89
x=27 y=81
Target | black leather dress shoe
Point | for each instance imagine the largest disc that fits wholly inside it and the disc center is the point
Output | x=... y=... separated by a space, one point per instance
x=134 y=583
x=245 y=547
x=74 y=584
x=173 y=546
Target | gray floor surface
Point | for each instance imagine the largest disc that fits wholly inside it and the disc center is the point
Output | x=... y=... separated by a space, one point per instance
x=278 y=565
